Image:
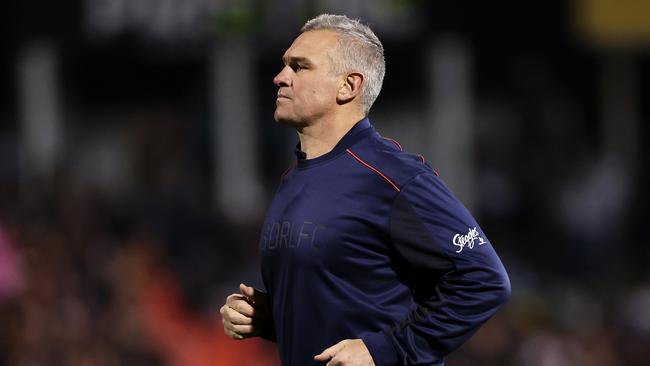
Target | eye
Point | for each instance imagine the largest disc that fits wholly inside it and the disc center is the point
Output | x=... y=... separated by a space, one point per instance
x=297 y=67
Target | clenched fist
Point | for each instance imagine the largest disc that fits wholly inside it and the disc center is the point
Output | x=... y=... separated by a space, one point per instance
x=245 y=314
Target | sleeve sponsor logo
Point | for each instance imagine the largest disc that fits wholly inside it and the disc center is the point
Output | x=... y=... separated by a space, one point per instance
x=462 y=241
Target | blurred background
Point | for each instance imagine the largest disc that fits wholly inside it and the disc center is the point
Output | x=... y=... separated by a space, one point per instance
x=138 y=154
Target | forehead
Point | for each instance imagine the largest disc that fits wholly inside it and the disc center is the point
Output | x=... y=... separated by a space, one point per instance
x=312 y=44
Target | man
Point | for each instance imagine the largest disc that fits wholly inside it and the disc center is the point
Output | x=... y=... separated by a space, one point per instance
x=367 y=257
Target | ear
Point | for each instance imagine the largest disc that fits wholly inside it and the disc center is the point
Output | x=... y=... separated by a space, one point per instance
x=350 y=88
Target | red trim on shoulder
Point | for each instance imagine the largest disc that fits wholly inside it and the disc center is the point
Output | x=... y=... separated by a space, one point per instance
x=421 y=158
x=373 y=168
x=395 y=142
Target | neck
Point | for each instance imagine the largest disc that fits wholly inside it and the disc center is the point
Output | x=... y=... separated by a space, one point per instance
x=319 y=138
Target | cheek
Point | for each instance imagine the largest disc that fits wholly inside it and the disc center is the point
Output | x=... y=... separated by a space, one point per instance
x=317 y=95
x=321 y=94
x=312 y=100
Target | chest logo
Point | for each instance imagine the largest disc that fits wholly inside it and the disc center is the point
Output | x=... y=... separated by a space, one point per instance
x=291 y=235
x=462 y=241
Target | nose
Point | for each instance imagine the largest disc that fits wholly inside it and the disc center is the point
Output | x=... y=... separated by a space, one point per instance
x=283 y=78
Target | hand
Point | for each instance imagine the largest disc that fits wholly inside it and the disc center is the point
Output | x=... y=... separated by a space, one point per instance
x=348 y=352
x=245 y=314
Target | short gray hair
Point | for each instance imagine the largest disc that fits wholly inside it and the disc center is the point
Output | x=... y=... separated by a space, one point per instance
x=359 y=50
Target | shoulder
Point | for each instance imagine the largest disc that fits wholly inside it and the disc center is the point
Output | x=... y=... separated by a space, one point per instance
x=386 y=157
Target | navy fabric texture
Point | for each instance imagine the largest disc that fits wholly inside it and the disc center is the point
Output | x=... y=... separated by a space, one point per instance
x=367 y=242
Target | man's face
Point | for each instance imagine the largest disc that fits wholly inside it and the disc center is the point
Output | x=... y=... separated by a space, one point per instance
x=307 y=86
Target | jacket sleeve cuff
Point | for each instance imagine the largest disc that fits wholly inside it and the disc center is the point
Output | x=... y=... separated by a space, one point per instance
x=268 y=332
x=381 y=349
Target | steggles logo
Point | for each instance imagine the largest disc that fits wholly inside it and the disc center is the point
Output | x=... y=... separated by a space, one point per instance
x=462 y=241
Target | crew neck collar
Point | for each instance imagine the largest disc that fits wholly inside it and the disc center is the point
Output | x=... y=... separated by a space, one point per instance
x=358 y=131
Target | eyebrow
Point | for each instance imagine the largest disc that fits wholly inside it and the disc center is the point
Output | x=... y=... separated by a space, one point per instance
x=296 y=59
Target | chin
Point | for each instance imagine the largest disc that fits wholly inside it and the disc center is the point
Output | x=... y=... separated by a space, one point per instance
x=282 y=117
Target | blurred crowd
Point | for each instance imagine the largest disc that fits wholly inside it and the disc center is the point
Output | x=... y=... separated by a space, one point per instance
x=87 y=279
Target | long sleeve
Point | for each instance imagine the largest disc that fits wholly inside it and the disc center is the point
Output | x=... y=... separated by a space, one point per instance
x=459 y=281
x=268 y=332
x=268 y=328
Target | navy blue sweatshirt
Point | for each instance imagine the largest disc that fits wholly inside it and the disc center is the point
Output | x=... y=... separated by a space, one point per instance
x=367 y=242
